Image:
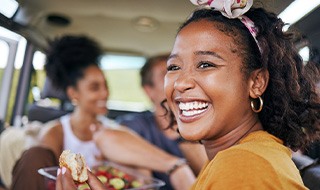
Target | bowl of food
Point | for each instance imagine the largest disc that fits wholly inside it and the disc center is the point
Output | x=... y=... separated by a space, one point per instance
x=112 y=175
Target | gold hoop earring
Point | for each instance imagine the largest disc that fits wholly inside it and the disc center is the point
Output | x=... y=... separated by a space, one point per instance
x=74 y=102
x=260 y=105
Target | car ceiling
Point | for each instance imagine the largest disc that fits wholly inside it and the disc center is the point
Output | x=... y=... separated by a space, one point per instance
x=111 y=22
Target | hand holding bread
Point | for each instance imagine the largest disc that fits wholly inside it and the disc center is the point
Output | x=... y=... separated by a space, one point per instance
x=76 y=164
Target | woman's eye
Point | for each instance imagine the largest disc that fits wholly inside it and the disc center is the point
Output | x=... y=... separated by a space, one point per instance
x=172 y=68
x=203 y=65
x=95 y=88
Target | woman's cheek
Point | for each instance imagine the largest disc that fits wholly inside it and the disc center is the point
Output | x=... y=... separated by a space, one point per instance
x=166 y=86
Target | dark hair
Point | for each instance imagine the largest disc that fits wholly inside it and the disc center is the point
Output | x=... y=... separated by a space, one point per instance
x=291 y=109
x=146 y=71
x=68 y=57
x=313 y=66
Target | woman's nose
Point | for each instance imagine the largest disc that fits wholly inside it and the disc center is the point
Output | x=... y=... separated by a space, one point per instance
x=184 y=82
x=105 y=92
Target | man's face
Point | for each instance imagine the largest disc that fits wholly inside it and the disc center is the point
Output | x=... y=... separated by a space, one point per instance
x=156 y=92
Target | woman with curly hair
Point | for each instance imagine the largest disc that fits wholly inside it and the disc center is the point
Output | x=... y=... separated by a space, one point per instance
x=73 y=67
x=236 y=83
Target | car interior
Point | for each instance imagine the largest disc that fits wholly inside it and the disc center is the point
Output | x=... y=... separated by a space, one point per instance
x=129 y=32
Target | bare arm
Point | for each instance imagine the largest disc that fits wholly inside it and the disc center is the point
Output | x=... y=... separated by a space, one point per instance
x=52 y=137
x=125 y=147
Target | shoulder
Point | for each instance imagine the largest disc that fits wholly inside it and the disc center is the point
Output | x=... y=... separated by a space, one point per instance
x=52 y=137
x=260 y=163
x=258 y=153
x=51 y=129
x=238 y=158
x=240 y=168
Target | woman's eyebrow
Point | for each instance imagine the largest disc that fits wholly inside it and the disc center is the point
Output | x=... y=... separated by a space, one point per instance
x=172 y=56
x=208 y=53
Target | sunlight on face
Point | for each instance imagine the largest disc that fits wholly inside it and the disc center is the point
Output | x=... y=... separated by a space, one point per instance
x=204 y=85
x=92 y=91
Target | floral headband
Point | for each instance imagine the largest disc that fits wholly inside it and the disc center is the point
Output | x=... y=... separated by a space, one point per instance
x=233 y=9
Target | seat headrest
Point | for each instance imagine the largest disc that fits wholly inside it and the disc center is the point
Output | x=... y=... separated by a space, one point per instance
x=50 y=91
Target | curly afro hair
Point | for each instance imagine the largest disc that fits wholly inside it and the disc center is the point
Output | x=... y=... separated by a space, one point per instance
x=68 y=57
x=291 y=109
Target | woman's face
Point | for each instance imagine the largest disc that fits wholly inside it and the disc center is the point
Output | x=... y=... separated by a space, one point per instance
x=204 y=85
x=92 y=91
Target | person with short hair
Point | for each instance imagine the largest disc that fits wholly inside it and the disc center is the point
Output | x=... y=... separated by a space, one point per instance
x=153 y=125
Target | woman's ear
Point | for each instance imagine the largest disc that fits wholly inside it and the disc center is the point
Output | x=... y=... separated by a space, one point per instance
x=71 y=93
x=258 y=82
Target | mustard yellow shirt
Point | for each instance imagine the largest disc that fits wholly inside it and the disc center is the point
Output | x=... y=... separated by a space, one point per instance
x=260 y=161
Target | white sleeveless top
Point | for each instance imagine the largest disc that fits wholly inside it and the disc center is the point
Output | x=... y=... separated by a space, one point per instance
x=87 y=148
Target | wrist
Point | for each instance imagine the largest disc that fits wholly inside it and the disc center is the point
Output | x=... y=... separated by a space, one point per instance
x=178 y=163
x=182 y=177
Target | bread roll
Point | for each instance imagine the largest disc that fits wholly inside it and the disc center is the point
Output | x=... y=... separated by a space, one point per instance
x=76 y=164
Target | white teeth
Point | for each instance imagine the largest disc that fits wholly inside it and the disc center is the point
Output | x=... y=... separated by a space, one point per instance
x=192 y=112
x=192 y=105
x=192 y=108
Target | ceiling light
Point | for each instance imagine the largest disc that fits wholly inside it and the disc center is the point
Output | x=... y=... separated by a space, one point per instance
x=145 y=24
x=297 y=10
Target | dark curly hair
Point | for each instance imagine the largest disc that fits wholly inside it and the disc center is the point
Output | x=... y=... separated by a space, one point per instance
x=68 y=57
x=291 y=109
x=313 y=66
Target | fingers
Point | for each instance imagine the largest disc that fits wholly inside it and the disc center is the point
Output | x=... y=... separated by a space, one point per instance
x=94 y=182
x=64 y=180
x=58 y=180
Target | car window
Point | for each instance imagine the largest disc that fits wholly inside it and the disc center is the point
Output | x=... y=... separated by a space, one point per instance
x=122 y=73
x=12 y=48
x=4 y=48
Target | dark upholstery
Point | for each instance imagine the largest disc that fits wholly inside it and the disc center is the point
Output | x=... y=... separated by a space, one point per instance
x=39 y=111
x=44 y=114
x=1 y=184
x=311 y=177
x=309 y=170
x=49 y=91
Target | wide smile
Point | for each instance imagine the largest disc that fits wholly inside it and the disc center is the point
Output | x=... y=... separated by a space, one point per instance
x=189 y=111
x=101 y=104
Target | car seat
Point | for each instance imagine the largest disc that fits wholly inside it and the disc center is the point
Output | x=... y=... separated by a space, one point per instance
x=53 y=104
x=309 y=171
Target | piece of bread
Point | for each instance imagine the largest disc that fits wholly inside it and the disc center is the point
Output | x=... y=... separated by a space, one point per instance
x=76 y=164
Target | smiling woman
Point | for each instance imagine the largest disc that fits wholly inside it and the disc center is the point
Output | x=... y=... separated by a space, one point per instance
x=72 y=66
x=236 y=84
x=143 y=28
x=114 y=25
